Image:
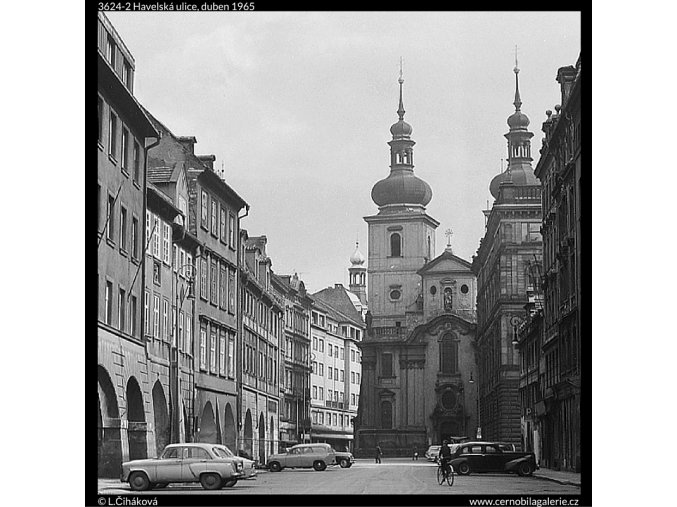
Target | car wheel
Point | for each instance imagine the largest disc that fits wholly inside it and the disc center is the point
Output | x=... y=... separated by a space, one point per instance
x=524 y=469
x=230 y=483
x=274 y=466
x=345 y=463
x=463 y=469
x=138 y=481
x=210 y=481
x=319 y=465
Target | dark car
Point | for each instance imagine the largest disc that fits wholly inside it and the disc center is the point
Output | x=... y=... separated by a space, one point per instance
x=491 y=457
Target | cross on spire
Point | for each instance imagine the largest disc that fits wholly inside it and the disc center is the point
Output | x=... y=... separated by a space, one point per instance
x=516 y=70
x=449 y=233
x=400 y=110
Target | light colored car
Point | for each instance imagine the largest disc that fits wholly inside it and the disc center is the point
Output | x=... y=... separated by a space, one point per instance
x=317 y=456
x=432 y=452
x=207 y=464
x=344 y=459
x=247 y=464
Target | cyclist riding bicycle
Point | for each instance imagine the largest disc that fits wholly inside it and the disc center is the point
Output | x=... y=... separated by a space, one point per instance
x=445 y=455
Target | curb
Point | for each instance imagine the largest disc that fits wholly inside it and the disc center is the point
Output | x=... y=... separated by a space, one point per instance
x=558 y=481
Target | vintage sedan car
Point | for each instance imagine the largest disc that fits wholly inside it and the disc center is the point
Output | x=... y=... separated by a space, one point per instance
x=432 y=452
x=207 y=464
x=247 y=464
x=344 y=459
x=491 y=457
x=317 y=456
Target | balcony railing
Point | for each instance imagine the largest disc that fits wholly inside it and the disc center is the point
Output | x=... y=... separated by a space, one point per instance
x=387 y=331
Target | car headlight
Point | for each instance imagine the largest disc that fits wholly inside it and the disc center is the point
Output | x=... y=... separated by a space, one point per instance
x=239 y=467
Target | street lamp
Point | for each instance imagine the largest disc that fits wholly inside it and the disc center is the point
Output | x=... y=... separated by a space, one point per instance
x=478 y=435
x=180 y=296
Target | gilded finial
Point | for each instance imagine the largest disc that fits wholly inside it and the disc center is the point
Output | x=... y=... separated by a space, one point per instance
x=516 y=70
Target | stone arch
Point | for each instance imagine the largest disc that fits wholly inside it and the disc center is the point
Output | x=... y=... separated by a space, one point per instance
x=248 y=434
x=262 y=439
x=207 y=427
x=136 y=421
x=160 y=418
x=109 y=445
x=230 y=433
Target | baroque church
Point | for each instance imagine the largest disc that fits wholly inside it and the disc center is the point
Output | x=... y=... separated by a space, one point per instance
x=418 y=355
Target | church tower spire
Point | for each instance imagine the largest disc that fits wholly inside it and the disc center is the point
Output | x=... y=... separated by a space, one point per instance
x=401 y=187
x=519 y=170
x=358 y=274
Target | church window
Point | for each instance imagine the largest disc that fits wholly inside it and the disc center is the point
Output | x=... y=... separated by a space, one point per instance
x=448 y=355
x=386 y=415
x=449 y=399
x=448 y=299
x=464 y=289
x=395 y=294
x=395 y=245
x=433 y=290
x=387 y=365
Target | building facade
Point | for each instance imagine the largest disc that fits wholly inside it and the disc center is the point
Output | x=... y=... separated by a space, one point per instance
x=506 y=258
x=263 y=311
x=295 y=361
x=418 y=353
x=336 y=330
x=125 y=383
x=210 y=273
x=559 y=169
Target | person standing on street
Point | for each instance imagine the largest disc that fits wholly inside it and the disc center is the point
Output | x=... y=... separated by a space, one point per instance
x=378 y=454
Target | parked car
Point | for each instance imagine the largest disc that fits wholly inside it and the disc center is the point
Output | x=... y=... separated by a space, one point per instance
x=248 y=468
x=207 y=464
x=317 y=456
x=344 y=459
x=491 y=457
x=432 y=452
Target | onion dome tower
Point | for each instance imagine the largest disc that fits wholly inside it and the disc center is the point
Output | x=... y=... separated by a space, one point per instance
x=519 y=170
x=358 y=274
x=401 y=187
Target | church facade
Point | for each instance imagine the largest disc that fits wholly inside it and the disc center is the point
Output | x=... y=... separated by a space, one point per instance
x=418 y=355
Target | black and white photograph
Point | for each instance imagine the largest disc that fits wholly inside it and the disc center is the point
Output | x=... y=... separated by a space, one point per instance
x=339 y=253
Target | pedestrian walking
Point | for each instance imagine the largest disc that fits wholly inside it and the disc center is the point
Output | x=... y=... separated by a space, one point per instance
x=378 y=454
x=415 y=456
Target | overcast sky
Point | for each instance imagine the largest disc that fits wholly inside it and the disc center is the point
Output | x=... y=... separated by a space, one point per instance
x=297 y=107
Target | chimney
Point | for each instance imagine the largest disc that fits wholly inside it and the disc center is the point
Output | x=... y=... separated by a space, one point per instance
x=566 y=77
x=207 y=160
x=188 y=143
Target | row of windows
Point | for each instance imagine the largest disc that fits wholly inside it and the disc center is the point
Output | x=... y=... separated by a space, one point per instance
x=318 y=394
x=296 y=350
x=217 y=219
x=159 y=237
x=262 y=314
x=119 y=226
x=217 y=350
x=296 y=320
x=259 y=358
x=115 y=57
x=331 y=419
x=217 y=282
x=125 y=317
x=160 y=327
x=122 y=147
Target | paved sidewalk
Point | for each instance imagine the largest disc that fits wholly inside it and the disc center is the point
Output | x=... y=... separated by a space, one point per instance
x=571 y=478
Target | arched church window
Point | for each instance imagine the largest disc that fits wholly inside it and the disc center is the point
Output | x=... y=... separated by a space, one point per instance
x=386 y=415
x=448 y=299
x=395 y=245
x=448 y=355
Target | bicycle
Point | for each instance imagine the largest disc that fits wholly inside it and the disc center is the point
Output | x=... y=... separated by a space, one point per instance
x=445 y=473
